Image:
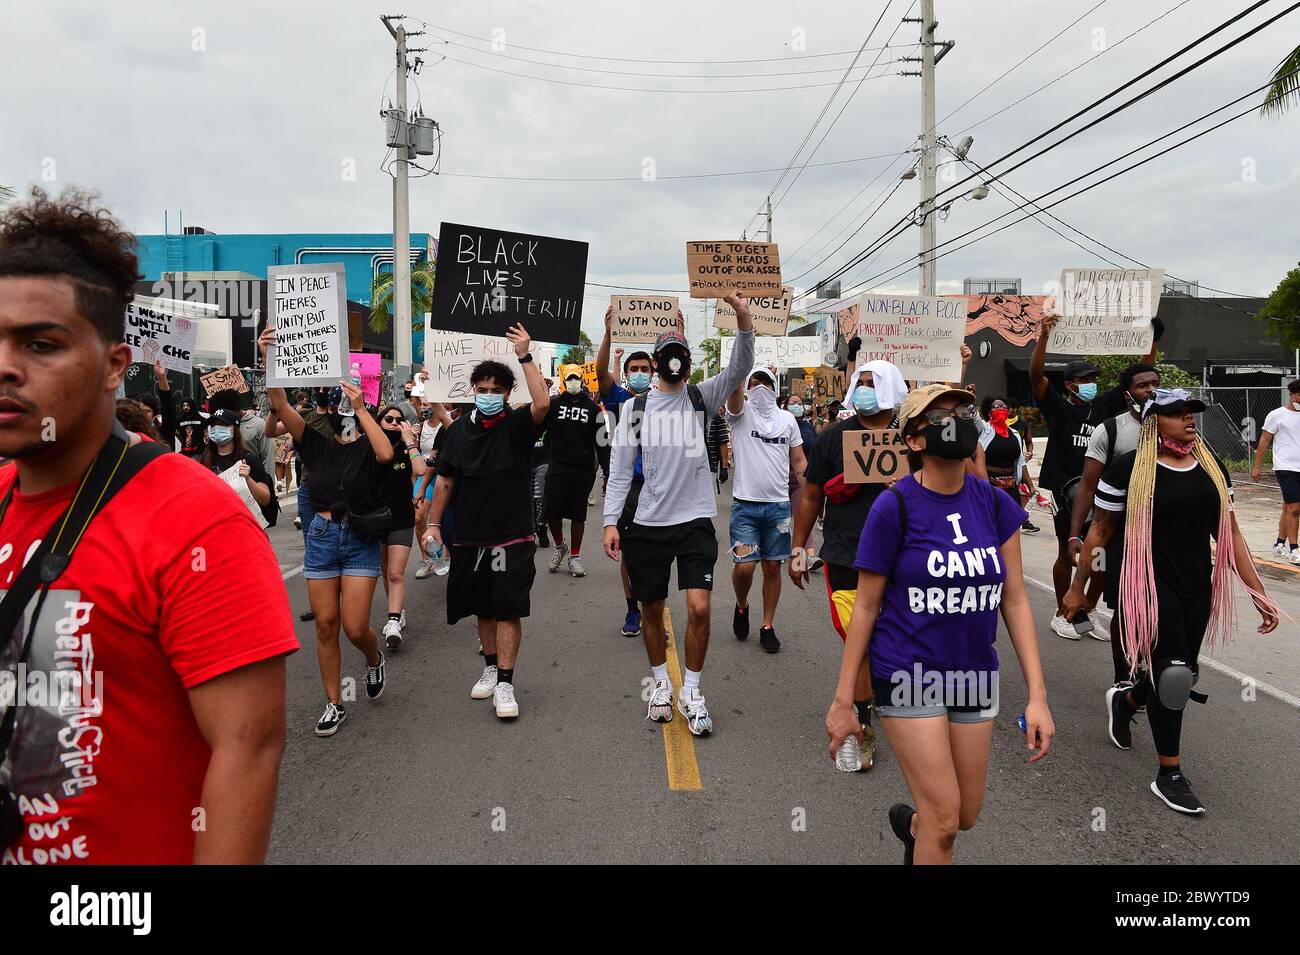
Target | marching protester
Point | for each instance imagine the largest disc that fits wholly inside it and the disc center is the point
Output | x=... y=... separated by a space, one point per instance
x=483 y=472
x=226 y=450
x=1281 y=431
x=1158 y=508
x=435 y=421
x=104 y=533
x=938 y=558
x=674 y=508
x=190 y=426
x=349 y=520
x=138 y=417
x=396 y=492
x=796 y=406
x=768 y=448
x=875 y=391
x=1071 y=419
x=1116 y=436
x=1004 y=454
x=572 y=424
x=638 y=368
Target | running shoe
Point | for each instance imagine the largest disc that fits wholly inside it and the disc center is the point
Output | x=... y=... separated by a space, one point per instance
x=424 y=570
x=392 y=634
x=297 y=523
x=848 y=758
x=697 y=716
x=375 y=679
x=632 y=624
x=328 y=724
x=868 y=747
x=485 y=685
x=306 y=615
x=1029 y=527
x=1295 y=556
x=767 y=639
x=815 y=564
x=900 y=820
x=1100 y=634
x=575 y=566
x=1063 y=628
x=503 y=698
x=740 y=623
x=1281 y=551
x=403 y=620
x=1175 y=792
x=1120 y=717
x=557 y=557
x=661 y=703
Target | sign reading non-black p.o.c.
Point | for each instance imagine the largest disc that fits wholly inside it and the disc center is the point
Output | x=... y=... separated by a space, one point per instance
x=749 y=268
x=489 y=280
x=874 y=457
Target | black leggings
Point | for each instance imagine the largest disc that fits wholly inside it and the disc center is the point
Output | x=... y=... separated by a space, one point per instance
x=1182 y=629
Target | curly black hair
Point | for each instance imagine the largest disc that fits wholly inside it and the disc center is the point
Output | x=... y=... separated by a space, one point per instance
x=75 y=238
x=499 y=373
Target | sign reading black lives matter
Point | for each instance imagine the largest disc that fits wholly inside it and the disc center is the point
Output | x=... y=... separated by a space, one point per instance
x=308 y=308
x=489 y=280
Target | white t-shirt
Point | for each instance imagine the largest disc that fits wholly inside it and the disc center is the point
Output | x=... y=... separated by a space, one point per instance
x=1284 y=425
x=761 y=454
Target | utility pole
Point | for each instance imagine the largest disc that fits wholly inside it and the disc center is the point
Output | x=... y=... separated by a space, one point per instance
x=929 y=150
x=401 y=219
x=769 y=218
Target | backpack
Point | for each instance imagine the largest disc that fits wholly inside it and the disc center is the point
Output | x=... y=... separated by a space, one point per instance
x=638 y=418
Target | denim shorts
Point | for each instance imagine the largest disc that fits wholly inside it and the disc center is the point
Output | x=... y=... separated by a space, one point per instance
x=765 y=527
x=976 y=703
x=333 y=550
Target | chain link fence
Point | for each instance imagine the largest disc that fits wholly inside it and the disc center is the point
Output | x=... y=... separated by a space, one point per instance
x=1231 y=424
x=140 y=378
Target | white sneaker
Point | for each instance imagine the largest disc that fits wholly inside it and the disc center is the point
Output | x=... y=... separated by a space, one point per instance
x=1281 y=551
x=392 y=634
x=1295 y=556
x=403 y=620
x=485 y=685
x=503 y=698
x=848 y=758
x=424 y=570
x=1063 y=628
x=297 y=523
x=697 y=715
x=660 y=709
x=557 y=558
x=575 y=567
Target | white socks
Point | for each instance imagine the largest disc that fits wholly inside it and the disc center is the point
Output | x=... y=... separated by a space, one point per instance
x=691 y=681
x=660 y=673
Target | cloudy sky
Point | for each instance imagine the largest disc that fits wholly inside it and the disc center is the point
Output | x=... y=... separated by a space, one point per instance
x=248 y=117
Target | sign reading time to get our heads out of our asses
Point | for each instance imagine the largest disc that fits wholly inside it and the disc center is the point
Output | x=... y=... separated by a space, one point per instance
x=749 y=268
x=489 y=280
x=308 y=310
x=1106 y=311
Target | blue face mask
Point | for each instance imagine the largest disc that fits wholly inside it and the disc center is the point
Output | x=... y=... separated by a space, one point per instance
x=864 y=400
x=489 y=404
x=221 y=434
x=1089 y=391
x=796 y=410
x=639 y=381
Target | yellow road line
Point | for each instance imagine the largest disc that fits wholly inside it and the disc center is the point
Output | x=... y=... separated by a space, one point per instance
x=679 y=745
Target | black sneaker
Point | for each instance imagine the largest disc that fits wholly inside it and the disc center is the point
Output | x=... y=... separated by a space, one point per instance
x=1120 y=721
x=1029 y=527
x=740 y=623
x=328 y=724
x=900 y=820
x=767 y=639
x=543 y=539
x=1176 y=792
x=375 y=679
x=307 y=616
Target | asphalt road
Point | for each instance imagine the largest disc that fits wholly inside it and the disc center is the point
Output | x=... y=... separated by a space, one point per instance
x=428 y=775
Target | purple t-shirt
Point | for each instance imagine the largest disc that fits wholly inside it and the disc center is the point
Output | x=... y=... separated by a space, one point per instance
x=940 y=607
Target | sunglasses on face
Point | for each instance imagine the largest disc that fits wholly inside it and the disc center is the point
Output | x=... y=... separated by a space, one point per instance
x=392 y=420
x=940 y=415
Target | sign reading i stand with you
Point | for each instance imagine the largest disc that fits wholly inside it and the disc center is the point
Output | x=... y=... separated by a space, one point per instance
x=749 y=268
x=489 y=280
x=308 y=310
x=1106 y=311
x=921 y=336
x=640 y=319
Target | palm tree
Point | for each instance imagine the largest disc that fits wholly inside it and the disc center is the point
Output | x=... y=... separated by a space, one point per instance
x=381 y=297
x=1285 y=91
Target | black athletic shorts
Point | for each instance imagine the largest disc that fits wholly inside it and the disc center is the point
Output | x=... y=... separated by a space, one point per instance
x=1289 y=482
x=1061 y=521
x=490 y=582
x=649 y=552
x=567 y=491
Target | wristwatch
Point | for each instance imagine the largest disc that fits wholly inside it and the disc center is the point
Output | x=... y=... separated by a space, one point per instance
x=528 y=356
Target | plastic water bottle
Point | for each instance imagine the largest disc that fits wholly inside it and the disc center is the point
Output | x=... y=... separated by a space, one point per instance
x=345 y=403
x=441 y=559
x=1020 y=721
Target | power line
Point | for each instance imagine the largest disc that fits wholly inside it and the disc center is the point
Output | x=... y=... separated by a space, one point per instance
x=624 y=59
x=861 y=226
x=657 y=178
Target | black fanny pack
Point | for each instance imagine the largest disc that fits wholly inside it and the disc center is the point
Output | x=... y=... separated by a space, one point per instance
x=371 y=526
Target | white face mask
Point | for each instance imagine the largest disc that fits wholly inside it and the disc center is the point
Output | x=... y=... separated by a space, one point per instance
x=573 y=386
x=763 y=398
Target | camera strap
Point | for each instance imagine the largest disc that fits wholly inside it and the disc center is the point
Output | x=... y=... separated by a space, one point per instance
x=118 y=461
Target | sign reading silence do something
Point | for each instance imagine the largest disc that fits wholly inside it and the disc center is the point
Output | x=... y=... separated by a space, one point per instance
x=1106 y=311
x=308 y=310
x=489 y=280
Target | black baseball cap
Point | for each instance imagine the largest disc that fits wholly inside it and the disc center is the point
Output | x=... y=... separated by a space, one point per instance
x=224 y=416
x=1080 y=368
x=671 y=338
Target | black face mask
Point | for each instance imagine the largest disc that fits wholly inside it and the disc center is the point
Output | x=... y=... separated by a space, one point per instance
x=953 y=440
x=666 y=371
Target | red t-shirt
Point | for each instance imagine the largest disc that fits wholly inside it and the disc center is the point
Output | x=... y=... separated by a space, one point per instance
x=172 y=585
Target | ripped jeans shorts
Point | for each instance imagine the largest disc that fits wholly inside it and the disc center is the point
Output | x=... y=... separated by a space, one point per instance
x=760 y=531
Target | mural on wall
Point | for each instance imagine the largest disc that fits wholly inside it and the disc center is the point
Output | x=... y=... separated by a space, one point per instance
x=1014 y=317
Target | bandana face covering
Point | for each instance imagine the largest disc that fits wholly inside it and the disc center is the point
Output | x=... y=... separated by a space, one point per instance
x=998 y=418
x=1177 y=447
